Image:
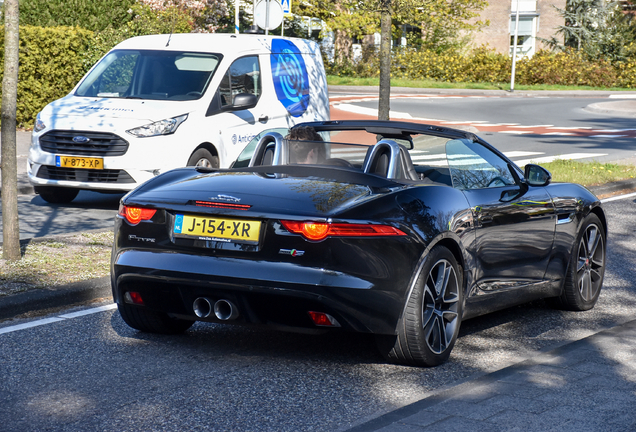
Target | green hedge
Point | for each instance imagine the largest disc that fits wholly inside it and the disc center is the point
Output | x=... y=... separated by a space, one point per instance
x=484 y=65
x=51 y=63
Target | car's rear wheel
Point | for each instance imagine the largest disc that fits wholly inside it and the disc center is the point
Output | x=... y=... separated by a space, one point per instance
x=56 y=195
x=428 y=330
x=152 y=321
x=584 y=277
x=203 y=158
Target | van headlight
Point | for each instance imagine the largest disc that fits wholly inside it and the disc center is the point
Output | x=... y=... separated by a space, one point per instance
x=161 y=127
x=39 y=124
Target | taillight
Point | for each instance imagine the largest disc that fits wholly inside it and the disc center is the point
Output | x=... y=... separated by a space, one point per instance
x=134 y=215
x=317 y=231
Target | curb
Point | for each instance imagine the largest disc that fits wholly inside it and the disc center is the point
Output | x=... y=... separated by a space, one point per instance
x=504 y=93
x=54 y=297
x=608 y=189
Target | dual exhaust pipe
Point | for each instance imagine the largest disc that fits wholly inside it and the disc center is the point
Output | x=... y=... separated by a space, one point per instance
x=223 y=309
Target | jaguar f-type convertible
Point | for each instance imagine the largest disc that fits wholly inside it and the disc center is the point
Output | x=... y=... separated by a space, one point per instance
x=398 y=229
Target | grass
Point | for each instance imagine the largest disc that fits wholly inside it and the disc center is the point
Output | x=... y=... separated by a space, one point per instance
x=65 y=259
x=374 y=82
x=589 y=173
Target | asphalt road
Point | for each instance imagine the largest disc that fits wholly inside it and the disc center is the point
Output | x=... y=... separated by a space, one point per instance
x=545 y=126
x=92 y=372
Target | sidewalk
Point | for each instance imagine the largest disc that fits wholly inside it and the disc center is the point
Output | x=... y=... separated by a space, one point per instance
x=587 y=385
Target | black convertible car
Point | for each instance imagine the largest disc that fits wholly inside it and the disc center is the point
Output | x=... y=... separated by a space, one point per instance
x=398 y=229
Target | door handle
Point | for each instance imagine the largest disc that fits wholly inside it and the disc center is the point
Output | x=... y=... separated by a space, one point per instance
x=263 y=118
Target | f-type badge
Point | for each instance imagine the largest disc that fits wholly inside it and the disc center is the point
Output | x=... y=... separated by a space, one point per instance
x=292 y=252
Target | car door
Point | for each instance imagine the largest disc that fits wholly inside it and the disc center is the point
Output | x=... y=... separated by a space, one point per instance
x=515 y=223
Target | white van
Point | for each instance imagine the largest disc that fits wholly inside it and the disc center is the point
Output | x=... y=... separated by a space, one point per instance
x=159 y=102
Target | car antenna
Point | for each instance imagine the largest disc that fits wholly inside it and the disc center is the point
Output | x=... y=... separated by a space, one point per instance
x=174 y=14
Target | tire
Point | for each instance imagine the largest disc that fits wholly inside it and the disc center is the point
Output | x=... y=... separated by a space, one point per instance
x=584 y=277
x=429 y=327
x=203 y=158
x=56 y=195
x=152 y=321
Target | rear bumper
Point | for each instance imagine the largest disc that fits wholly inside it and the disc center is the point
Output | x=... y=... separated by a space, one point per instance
x=271 y=293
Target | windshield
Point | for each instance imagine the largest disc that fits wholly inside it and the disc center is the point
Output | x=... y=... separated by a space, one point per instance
x=146 y=74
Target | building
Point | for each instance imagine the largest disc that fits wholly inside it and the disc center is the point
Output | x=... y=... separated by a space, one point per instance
x=538 y=19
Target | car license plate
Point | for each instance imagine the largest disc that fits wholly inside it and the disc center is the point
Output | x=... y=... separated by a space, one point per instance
x=215 y=228
x=79 y=162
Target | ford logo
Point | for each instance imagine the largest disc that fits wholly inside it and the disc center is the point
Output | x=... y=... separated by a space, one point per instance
x=81 y=139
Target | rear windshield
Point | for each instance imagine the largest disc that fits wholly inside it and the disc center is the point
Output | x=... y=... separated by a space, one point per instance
x=147 y=74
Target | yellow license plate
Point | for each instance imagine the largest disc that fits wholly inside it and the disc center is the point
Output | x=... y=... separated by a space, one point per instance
x=79 y=162
x=215 y=228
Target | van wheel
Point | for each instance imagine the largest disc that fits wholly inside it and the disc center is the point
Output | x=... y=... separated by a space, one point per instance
x=203 y=158
x=56 y=195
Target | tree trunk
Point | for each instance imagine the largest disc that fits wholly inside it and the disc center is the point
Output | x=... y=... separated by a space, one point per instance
x=385 y=61
x=10 y=228
x=342 y=46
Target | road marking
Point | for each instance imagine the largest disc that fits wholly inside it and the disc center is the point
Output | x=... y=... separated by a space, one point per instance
x=619 y=197
x=608 y=136
x=59 y=318
x=569 y=156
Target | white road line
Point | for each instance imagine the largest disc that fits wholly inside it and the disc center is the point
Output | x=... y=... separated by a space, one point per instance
x=608 y=136
x=518 y=153
x=46 y=321
x=571 y=127
x=514 y=132
x=620 y=96
x=569 y=156
x=534 y=126
x=619 y=197
x=557 y=133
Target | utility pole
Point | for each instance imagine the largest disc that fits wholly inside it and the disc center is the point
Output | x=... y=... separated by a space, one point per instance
x=10 y=227
x=514 y=51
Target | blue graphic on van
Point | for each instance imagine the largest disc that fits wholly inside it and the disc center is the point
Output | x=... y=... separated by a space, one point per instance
x=290 y=77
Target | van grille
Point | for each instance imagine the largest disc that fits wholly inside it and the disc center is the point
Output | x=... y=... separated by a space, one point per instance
x=97 y=143
x=84 y=175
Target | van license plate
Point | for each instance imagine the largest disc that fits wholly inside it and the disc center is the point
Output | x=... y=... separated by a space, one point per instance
x=79 y=162
x=214 y=228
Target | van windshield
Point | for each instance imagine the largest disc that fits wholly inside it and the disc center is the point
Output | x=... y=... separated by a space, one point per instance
x=147 y=74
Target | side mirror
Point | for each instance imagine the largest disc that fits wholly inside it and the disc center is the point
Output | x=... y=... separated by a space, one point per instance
x=536 y=175
x=244 y=101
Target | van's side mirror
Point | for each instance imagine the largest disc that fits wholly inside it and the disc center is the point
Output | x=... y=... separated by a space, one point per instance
x=244 y=101
x=537 y=175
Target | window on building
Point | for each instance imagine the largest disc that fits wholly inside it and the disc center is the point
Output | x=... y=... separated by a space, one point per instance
x=526 y=36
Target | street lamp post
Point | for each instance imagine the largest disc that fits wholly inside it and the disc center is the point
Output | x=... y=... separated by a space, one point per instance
x=514 y=51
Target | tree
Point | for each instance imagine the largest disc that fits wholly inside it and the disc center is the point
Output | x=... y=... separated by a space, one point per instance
x=439 y=21
x=596 y=29
x=208 y=15
x=10 y=226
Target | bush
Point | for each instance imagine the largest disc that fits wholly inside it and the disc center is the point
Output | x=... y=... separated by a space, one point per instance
x=51 y=63
x=484 y=65
x=93 y=15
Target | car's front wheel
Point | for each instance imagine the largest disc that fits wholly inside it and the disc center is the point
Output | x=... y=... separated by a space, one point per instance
x=152 y=321
x=429 y=327
x=56 y=195
x=584 y=277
